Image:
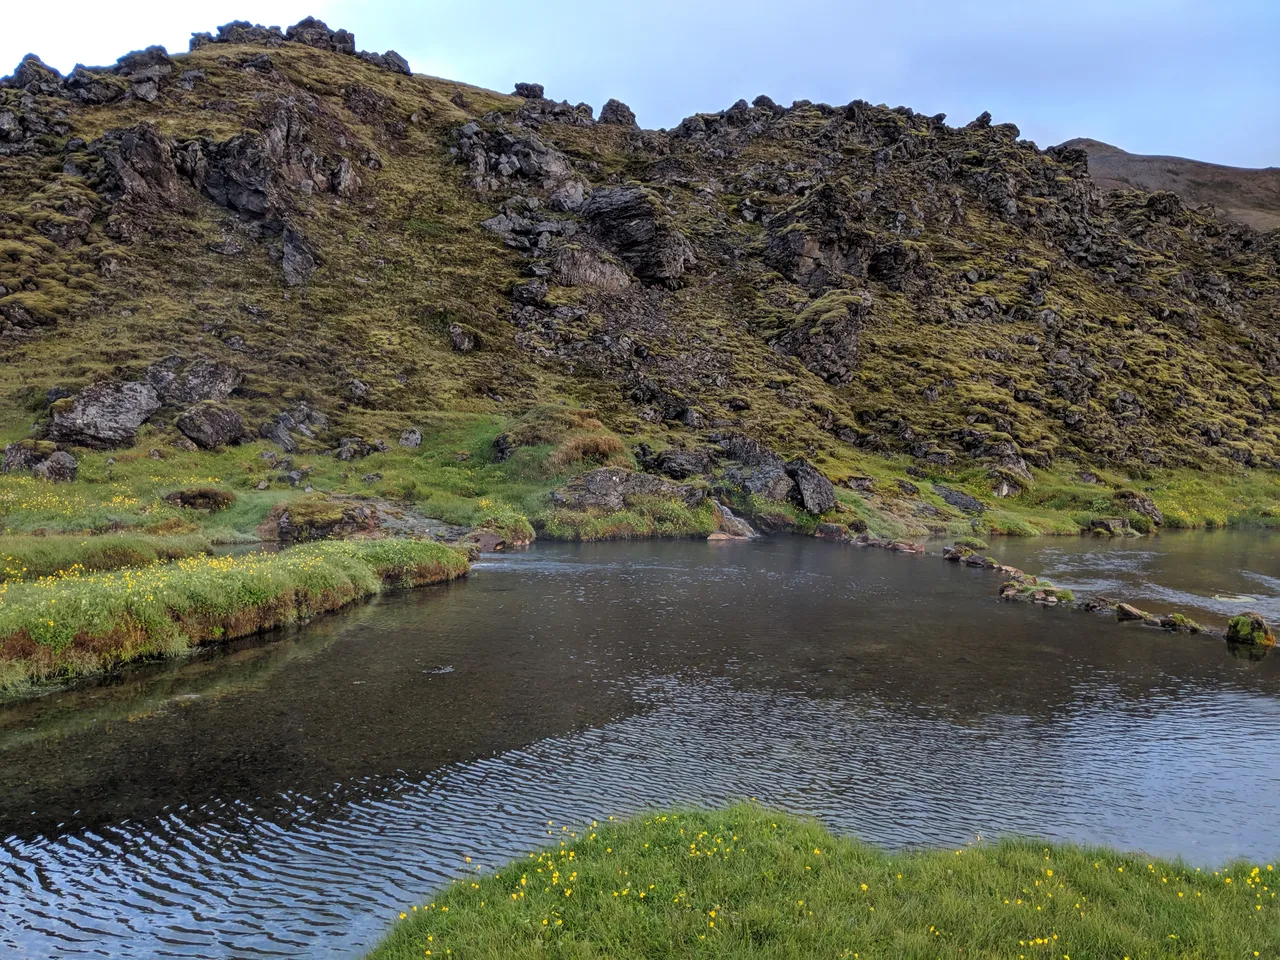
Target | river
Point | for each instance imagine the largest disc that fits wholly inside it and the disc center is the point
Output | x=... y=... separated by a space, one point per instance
x=285 y=797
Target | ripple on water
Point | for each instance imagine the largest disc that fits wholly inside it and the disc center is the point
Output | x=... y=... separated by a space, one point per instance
x=321 y=875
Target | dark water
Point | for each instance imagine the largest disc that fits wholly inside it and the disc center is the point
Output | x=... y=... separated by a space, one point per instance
x=286 y=799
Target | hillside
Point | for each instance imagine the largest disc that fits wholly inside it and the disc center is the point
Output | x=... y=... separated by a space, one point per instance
x=275 y=238
x=1250 y=196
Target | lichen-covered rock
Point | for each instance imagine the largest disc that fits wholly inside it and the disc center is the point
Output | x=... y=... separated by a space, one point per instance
x=411 y=438
x=826 y=336
x=58 y=467
x=465 y=339
x=355 y=448
x=103 y=416
x=1109 y=526
x=179 y=382
x=210 y=425
x=1140 y=503
x=960 y=500
x=611 y=489
x=24 y=455
x=1250 y=629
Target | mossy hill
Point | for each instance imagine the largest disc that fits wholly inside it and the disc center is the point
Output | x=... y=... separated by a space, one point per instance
x=275 y=237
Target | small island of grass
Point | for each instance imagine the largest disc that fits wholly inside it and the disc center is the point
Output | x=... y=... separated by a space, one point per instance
x=750 y=882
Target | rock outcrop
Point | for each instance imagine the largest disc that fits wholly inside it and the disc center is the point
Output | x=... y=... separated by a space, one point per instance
x=210 y=425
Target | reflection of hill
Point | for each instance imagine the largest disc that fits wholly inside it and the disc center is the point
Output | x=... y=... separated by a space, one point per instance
x=1250 y=196
x=566 y=638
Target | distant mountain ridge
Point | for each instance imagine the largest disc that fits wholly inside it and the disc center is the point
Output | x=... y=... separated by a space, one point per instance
x=1251 y=196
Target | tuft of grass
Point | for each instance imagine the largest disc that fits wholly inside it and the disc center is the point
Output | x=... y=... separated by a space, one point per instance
x=749 y=882
x=83 y=623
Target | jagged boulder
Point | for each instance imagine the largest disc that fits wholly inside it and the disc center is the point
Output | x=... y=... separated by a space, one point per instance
x=813 y=491
x=960 y=500
x=530 y=91
x=411 y=438
x=103 y=416
x=301 y=420
x=299 y=259
x=210 y=424
x=611 y=489
x=316 y=33
x=634 y=223
x=617 y=112
x=356 y=448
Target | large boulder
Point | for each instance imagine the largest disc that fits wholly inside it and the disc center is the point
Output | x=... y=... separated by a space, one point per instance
x=1250 y=629
x=634 y=223
x=530 y=91
x=611 y=489
x=813 y=491
x=103 y=416
x=210 y=424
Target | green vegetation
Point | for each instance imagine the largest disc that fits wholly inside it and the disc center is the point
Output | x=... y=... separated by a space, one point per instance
x=748 y=882
x=83 y=623
x=29 y=558
x=1250 y=629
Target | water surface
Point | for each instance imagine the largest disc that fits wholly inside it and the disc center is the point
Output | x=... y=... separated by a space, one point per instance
x=287 y=798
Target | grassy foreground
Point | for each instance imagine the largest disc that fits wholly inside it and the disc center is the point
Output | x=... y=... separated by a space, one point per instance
x=748 y=882
x=80 y=623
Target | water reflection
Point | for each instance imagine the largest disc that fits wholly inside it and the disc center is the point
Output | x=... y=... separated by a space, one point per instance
x=285 y=800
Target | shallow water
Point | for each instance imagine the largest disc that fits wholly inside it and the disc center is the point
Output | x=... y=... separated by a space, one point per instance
x=287 y=798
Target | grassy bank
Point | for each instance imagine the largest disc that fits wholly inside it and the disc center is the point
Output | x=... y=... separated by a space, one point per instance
x=748 y=882
x=83 y=623
x=29 y=558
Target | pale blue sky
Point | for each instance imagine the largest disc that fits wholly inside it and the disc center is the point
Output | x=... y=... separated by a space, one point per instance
x=1193 y=78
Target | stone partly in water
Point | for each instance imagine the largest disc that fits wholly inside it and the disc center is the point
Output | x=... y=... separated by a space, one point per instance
x=1126 y=612
x=1250 y=629
x=732 y=526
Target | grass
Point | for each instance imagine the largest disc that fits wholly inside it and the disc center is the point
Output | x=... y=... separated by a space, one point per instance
x=30 y=557
x=749 y=882
x=79 y=624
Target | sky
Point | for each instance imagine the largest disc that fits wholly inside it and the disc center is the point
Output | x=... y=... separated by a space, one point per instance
x=1193 y=78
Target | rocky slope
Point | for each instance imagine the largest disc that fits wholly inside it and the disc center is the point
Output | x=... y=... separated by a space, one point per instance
x=274 y=236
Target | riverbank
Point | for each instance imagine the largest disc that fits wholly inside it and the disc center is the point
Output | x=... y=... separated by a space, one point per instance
x=749 y=882
x=75 y=624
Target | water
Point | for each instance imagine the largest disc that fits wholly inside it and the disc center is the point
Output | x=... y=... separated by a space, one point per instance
x=288 y=798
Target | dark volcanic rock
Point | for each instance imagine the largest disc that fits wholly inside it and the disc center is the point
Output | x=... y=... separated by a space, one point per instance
x=635 y=225
x=611 y=489
x=465 y=339
x=814 y=491
x=210 y=424
x=103 y=416
x=617 y=112
x=22 y=456
x=354 y=448
x=300 y=260
x=315 y=33
x=530 y=91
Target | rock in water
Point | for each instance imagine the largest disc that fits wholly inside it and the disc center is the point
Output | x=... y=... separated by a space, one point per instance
x=104 y=416
x=211 y=424
x=1251 y=629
